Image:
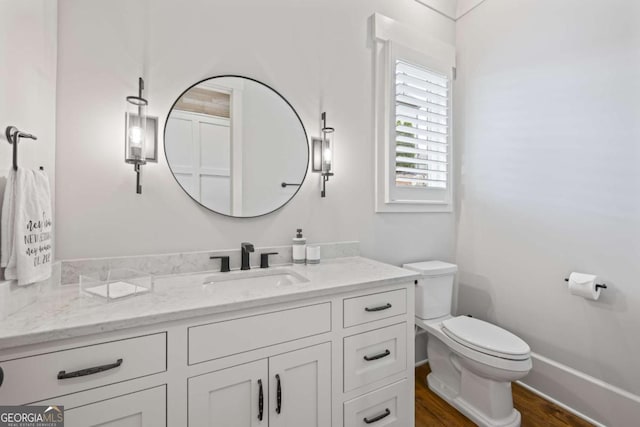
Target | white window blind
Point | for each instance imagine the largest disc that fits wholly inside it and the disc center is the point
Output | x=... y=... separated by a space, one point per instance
x=422 y=117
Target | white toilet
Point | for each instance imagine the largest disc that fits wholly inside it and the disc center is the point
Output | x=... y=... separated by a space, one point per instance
x=472 y=362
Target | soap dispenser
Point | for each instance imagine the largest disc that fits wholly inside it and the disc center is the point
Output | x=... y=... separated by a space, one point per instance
x=299 y=248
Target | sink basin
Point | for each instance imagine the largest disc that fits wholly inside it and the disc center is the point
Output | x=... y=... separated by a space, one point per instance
x=270 y=277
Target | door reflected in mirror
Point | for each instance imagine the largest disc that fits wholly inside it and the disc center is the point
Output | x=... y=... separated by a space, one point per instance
x=236 y=146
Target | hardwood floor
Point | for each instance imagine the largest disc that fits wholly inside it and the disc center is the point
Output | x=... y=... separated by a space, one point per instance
x=432 y=411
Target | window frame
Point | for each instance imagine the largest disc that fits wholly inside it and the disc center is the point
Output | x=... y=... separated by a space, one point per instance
x=396 y=42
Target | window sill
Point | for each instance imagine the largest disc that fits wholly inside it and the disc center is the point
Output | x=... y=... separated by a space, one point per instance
x=414 y=207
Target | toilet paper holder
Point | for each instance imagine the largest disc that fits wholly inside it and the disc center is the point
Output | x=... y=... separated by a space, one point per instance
x=602 y=286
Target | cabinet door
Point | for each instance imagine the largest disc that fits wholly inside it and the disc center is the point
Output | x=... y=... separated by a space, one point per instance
x=230 y=397
x=303 y=378
x=145 y=408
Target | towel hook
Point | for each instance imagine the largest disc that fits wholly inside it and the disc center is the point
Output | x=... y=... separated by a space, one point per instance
x=13 y=137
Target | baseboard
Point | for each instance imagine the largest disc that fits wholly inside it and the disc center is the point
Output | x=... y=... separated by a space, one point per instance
x=589 y=398
x=421 y=362
x=560 y=404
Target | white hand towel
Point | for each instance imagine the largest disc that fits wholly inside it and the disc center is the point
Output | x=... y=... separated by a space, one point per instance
x=7 y=222
x=32 y=247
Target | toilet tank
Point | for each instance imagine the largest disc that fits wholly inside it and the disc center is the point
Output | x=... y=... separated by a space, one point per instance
x=434 y=291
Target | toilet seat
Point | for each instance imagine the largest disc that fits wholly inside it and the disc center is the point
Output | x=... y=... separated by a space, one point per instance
x=485 y=338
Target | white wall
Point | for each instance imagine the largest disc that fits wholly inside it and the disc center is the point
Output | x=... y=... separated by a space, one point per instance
x=465 y=6
x=28 y=83
x=316 y=53
x=549 y=122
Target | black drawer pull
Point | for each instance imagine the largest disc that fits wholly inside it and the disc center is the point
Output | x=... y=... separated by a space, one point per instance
x=378 y=308
x=260 y=401
x=377 y=356
x=386 y=413
x=1 y=376
x=278 y=395
x=62 y=375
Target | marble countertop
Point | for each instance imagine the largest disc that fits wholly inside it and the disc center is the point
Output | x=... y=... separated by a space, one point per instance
x=63 y=313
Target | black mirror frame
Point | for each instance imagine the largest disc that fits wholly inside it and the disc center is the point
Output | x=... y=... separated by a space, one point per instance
x=304 y=130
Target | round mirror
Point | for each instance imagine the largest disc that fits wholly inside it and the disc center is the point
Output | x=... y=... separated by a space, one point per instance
x=236 y=146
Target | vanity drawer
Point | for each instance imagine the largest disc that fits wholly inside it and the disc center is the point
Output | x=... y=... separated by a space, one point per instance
x=34 y=378
x=146 y=408
x=388 y=405
x=374 y=355
x=215 y=340
x=378 y=306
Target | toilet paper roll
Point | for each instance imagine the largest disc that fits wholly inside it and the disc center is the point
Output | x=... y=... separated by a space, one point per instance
x=584 y=285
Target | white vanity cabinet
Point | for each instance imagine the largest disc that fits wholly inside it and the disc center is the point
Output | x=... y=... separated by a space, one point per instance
x=290 y=389
x=337 y=358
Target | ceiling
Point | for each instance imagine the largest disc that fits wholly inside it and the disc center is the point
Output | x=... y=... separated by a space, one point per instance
x=453 y=9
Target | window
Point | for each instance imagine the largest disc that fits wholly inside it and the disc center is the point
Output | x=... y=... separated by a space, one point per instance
x=422 y=123
x=413 y=79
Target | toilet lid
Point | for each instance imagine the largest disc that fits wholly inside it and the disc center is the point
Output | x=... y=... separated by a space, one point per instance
x=432 y=268
x=485 y=337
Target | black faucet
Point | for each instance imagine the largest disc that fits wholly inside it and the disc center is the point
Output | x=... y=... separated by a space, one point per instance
x=246 y=248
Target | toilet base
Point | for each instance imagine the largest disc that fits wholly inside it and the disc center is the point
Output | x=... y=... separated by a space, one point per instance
x=457 y=401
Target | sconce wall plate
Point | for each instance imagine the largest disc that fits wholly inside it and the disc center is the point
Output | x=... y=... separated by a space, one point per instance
x=316 y=154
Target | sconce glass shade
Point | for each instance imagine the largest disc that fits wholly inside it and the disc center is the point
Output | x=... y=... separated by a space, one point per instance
x=135 y=130
x=327 y=150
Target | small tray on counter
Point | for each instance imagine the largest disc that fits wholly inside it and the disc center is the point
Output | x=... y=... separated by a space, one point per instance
x=116 y=284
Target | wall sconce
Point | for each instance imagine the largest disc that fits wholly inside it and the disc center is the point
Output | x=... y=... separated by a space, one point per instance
x=141 y=134
x=322 y=153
